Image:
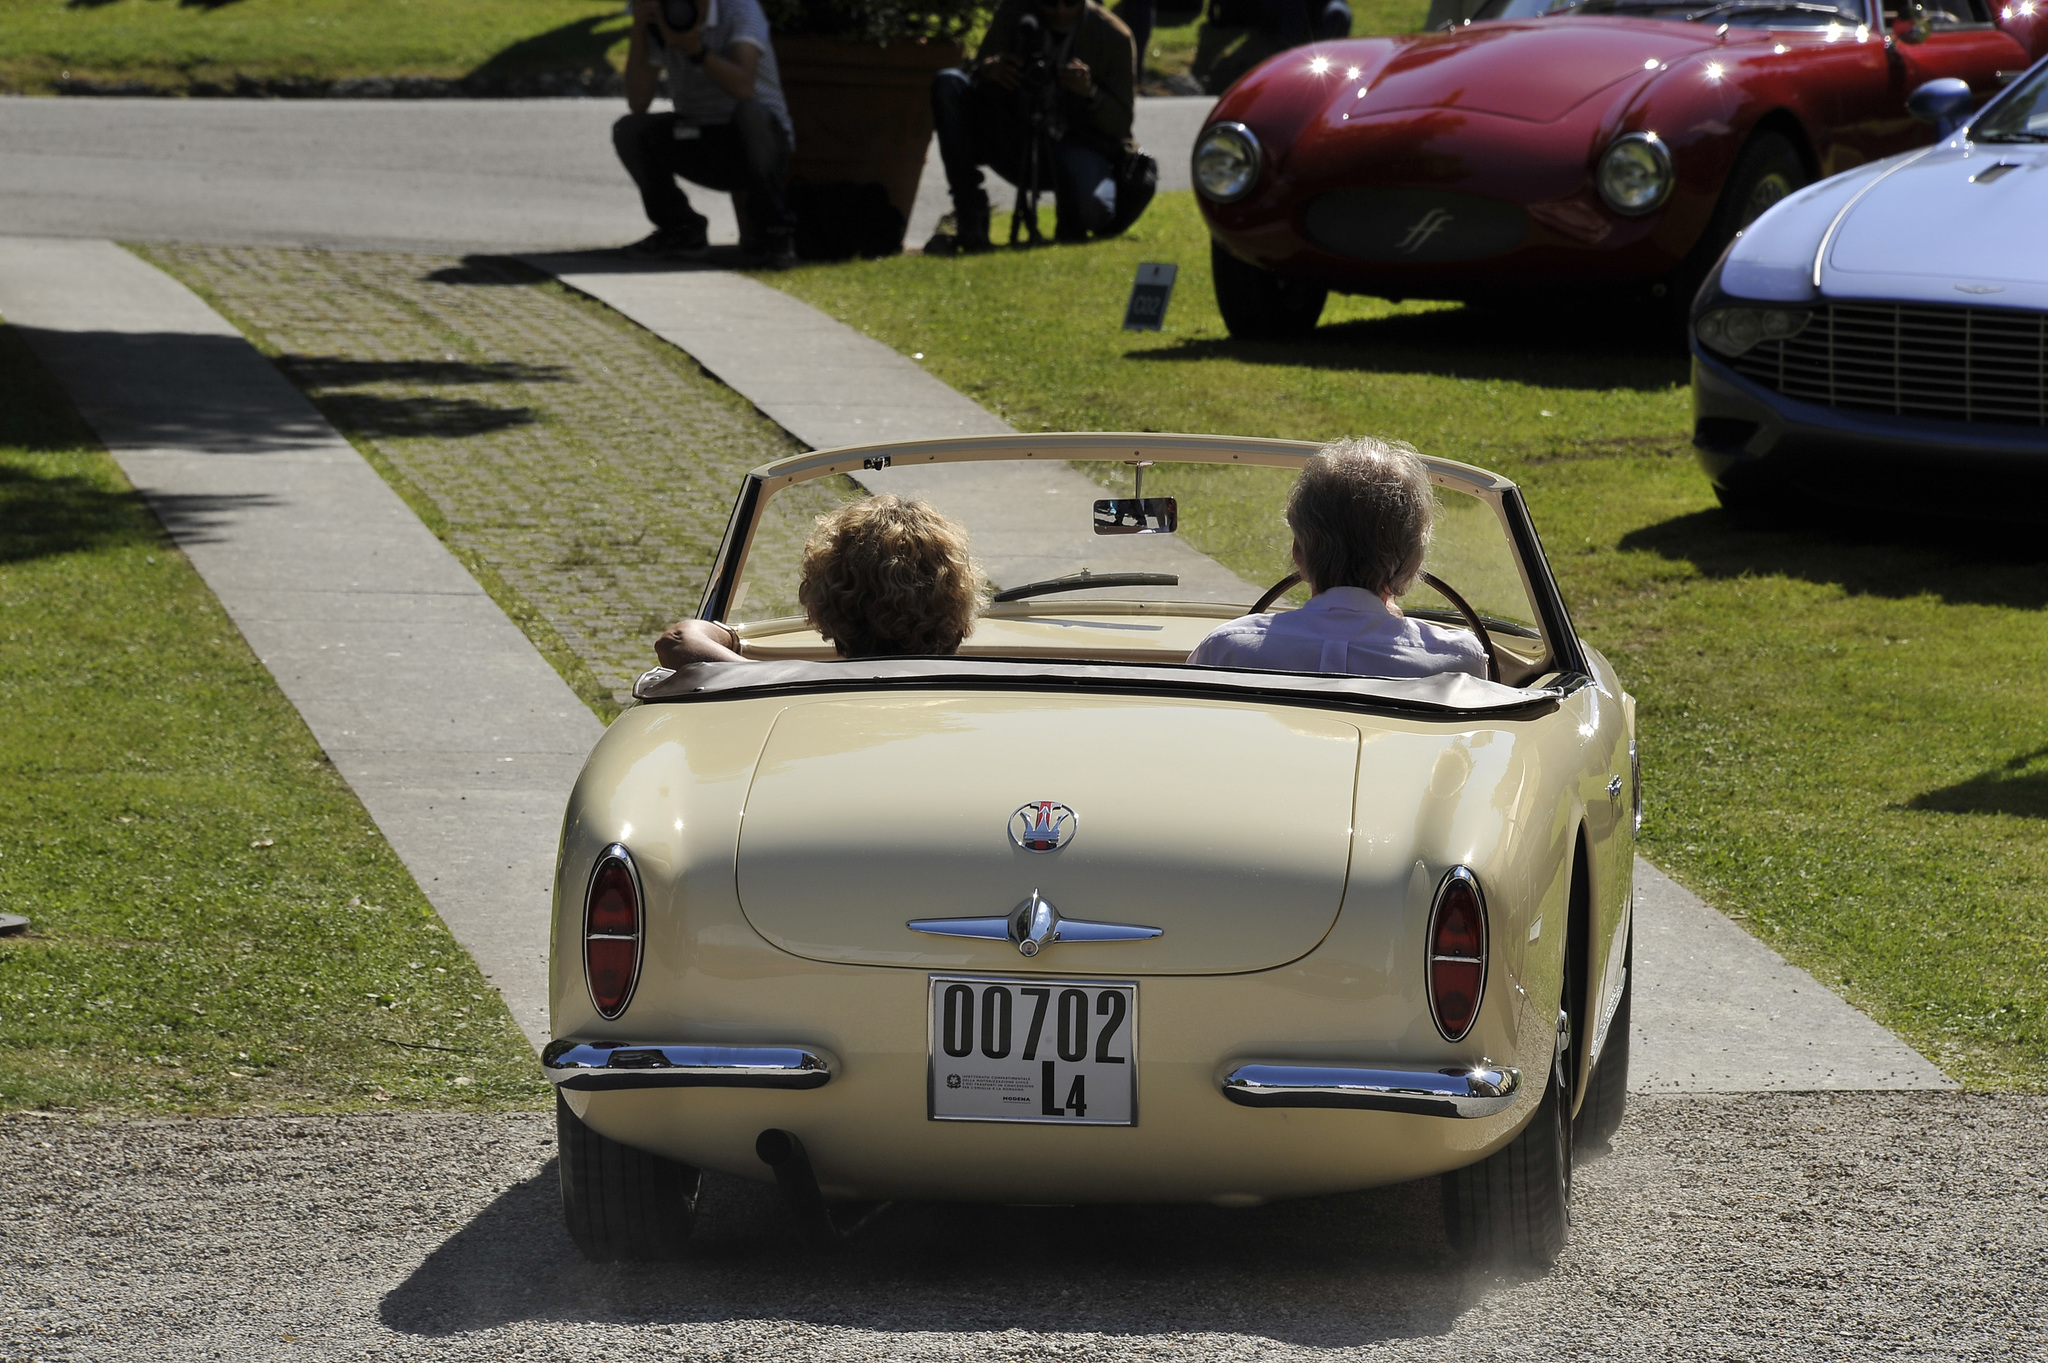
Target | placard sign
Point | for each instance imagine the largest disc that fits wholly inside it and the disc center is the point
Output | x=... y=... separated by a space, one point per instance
x=1149 y=297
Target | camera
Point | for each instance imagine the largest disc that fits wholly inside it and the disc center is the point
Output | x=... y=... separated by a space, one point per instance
x=680 y=15
x=1037 y=59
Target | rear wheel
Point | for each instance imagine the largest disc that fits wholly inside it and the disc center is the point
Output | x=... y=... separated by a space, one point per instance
x=1607 y=1093
x=1514 y=1206
x=1258 y=305
x=622 y=1203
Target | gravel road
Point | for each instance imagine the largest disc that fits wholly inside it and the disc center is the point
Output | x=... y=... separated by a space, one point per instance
x=1755 y=1226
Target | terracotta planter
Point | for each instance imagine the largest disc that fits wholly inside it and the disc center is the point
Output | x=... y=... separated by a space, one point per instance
x=863 y=111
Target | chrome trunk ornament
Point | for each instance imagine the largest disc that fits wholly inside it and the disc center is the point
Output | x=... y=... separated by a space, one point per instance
x=1033 y=926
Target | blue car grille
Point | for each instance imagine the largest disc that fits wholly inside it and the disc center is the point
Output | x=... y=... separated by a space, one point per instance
x=1953 y=364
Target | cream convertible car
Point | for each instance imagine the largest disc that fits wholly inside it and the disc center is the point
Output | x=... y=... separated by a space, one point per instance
x=1062 y=919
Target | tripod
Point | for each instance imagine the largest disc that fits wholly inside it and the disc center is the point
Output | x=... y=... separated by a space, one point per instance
x=1045 y=129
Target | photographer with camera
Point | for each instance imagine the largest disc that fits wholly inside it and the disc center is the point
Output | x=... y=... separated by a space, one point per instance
x=1048 y=104
x=730 y=128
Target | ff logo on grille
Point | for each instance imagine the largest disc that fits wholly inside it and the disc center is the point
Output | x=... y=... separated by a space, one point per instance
x=1422 y=229
x=1043 y=826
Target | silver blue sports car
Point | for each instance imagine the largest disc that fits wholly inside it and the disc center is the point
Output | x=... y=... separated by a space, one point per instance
x=1889 y=320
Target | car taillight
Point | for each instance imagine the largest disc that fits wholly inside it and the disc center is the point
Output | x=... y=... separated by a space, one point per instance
x=611 y=931
x=1457 y=953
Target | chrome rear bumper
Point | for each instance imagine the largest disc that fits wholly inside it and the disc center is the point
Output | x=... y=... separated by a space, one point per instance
x=590 y=1065
x=1481 y=1091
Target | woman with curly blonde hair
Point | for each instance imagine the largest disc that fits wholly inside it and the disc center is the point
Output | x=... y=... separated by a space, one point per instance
x=881 y=576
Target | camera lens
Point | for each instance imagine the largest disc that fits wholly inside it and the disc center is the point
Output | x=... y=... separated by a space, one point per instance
x=679 y=14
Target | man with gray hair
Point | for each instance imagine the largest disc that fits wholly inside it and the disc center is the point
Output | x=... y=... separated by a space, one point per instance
x=1361 y=513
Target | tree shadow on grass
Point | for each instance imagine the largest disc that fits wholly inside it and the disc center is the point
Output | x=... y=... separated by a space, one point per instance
x=2019 y=786
x=377 y=417
x=334 y=381
x=339 y=371
x=1329 y=1272
x=1520 y=345
x=581 y=45
x=42 y=517
x=1863 y=553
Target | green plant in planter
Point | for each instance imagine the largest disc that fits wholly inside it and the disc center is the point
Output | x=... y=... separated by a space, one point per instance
x=877 y=21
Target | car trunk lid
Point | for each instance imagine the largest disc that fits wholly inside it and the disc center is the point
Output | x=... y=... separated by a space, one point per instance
x=1227 y=826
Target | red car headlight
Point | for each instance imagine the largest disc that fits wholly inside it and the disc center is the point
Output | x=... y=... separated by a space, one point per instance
x=1457 y=953
x=1226 y=162
x=1635 y=175
x=612 y=931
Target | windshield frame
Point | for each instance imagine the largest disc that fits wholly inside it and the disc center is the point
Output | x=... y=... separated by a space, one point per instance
x=2030 y=79
x=771 y=478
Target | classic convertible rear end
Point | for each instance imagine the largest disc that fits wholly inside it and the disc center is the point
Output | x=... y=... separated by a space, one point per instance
x=1030 y=925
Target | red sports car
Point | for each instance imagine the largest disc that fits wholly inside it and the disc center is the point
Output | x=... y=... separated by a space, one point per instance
x=1597 y=147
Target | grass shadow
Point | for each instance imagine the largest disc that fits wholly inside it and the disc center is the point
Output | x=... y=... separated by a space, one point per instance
x=1520 y=345
x=339 y=371
x=2019 y=786
x=399 y=418
x=582 y=45
x=41 y=517
x=1863 y=553
x=1326 y=1272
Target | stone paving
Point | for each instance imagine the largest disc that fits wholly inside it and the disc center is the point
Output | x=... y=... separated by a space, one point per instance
x=584 y=463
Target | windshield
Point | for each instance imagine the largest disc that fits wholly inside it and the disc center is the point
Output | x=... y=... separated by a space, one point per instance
x=1740 y=13
x=2021 y=115
x=1059 y=588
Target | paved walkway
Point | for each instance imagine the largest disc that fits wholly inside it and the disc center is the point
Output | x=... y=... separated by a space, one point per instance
x=378 y=174
x=830 y=386
x=459 y=739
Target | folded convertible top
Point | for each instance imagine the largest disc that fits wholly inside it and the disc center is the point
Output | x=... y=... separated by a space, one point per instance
x=1450 y=695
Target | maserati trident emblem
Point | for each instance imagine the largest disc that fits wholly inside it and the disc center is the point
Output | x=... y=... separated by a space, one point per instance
x=1422 y=229
x=1043 y=826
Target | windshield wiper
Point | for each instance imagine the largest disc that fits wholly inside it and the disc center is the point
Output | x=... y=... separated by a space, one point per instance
x=2008 y=137
x=1081 y=581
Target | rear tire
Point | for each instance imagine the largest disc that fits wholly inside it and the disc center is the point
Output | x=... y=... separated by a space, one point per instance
x=622 y=1203
x=1607 y=1095
x=1515 y=1205
x=1258 y=305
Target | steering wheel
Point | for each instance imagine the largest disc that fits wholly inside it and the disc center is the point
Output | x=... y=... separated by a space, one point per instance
x=1442 y=588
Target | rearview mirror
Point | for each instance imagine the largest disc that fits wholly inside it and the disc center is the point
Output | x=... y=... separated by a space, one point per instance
x=1137 y=516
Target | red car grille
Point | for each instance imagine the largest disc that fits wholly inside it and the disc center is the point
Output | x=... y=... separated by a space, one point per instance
x=1954 y=364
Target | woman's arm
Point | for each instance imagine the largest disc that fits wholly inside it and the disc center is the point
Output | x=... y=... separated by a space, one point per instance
x=698 y=641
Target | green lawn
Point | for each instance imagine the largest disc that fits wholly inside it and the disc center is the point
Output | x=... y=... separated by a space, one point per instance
x=176 y=44
x=217 y=926
x=1845 y=735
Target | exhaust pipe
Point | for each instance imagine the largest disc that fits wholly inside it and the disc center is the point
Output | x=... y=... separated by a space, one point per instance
x=785 y=1154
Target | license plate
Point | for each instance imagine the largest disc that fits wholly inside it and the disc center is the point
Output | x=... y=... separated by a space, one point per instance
x=1061 y=1052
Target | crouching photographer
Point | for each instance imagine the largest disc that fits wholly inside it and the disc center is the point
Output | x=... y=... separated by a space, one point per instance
x=1047 y=104
x=730 y=128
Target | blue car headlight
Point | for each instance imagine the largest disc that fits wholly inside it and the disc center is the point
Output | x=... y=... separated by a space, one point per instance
x=1732 y=331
